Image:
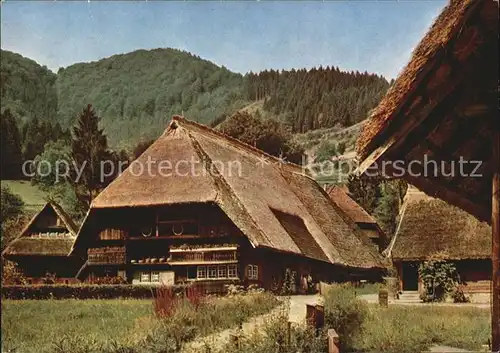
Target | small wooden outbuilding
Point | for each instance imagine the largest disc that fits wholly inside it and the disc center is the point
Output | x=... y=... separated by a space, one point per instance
x=44 y=245
x=433 y=229
x=438 y=126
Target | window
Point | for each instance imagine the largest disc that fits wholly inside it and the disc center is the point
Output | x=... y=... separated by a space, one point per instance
x=145 y=277
x=253 y=272
x=222 y=272
x=212 y=272
x=202 y=272
x=232 y=271
x=155 y=276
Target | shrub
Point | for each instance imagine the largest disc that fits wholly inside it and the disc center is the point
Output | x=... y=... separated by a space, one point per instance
x=60 y=291
x=288 y=282
x=345 y=313
x=165 y=302
x=109 y=280
x=459 y=296
x=11 y=274
x=188 y=321
x=273 y=337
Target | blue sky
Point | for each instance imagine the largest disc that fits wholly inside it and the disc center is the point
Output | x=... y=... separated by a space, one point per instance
x=376 y=36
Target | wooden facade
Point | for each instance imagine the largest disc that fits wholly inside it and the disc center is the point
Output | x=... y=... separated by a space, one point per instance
x=475 y=275
x=42 y=249
x=193 y=244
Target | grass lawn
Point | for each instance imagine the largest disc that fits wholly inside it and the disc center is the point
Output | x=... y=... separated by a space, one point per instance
x=32 y=196
x=119 y=325
x=35 y=325
x=416 y=328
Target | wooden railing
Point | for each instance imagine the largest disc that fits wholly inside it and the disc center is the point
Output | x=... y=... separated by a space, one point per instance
x=106 y=255
x=203 y=255
x=112 y=234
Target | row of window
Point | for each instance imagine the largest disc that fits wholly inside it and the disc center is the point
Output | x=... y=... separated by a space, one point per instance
x=215 y=271
x=153 y=276
x=221 y=271
x=206 y=272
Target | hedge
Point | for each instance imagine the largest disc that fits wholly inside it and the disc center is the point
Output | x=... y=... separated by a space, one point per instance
x=65 y=291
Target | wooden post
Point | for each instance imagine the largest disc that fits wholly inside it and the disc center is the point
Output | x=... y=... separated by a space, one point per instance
x=383 y=298
x=495 y=258
x=333 y=341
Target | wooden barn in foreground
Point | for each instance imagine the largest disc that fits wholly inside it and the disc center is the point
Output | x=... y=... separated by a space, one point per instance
x=430 y=229
x=220 y=212
x=43 y=247
x=353 y=211
x=443 y=110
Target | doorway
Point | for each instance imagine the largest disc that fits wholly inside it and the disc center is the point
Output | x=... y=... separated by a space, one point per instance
x=410 y=276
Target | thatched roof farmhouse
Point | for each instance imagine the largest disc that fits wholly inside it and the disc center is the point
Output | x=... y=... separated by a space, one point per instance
x=269 y=205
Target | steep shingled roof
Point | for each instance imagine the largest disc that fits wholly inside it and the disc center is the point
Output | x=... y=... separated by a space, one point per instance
x=57 y=246
x=431 y=226
x=252 y=189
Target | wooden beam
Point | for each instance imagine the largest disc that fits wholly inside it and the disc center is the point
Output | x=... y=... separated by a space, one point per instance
x=495 y=259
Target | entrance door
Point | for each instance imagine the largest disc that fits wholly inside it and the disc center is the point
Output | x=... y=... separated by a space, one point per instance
x=410 y=276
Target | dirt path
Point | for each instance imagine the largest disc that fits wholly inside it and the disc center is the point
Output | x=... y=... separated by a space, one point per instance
x=297 y=314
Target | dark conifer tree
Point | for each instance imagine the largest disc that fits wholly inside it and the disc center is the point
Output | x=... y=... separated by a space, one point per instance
x=88 y=149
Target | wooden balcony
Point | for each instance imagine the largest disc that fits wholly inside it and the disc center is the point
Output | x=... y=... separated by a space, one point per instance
x=204 y=255
x=106 y=255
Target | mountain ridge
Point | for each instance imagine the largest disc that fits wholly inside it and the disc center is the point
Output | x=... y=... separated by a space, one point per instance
x=136 y=93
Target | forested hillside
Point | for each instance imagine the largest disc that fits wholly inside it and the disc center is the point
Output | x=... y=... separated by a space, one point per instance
x=27 y=88
x=137 y=93
x=316 y=98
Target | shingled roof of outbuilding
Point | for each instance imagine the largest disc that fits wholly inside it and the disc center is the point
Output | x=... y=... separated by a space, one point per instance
x=252 y=189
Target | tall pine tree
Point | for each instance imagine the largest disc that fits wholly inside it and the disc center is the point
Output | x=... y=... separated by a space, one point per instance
x=88 y=149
